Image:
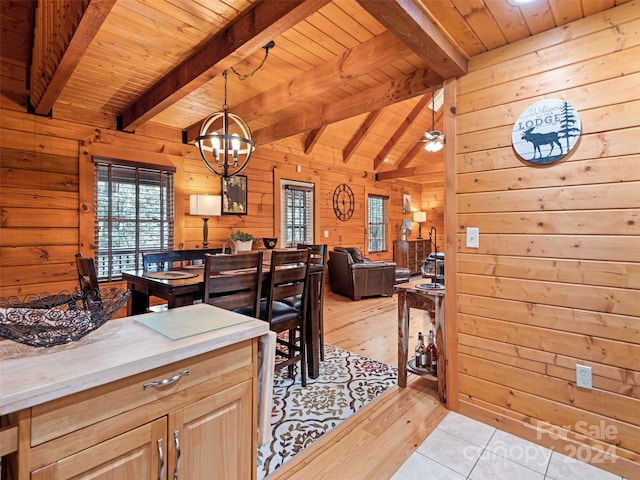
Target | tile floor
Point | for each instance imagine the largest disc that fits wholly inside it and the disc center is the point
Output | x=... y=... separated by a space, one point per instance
x=462 y=448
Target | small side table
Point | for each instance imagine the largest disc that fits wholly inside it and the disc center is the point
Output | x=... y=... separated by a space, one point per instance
x=411 y=295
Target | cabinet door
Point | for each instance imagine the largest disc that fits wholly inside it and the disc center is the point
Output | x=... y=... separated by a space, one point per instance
x=214 y=438
x=138 y=453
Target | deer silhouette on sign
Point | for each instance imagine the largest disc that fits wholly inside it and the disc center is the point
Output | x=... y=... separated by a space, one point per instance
x=538 y=139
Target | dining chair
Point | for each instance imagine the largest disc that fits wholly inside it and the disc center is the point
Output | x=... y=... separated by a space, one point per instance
x=288 y=277
x=87 y=275
x=234 y=282
x=318 y=257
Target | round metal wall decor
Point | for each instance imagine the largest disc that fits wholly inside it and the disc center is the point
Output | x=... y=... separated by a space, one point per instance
x=546 y=131
x=343 y=202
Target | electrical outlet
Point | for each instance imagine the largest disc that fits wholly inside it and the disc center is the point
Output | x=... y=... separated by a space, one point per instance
x=583 y=376
x=473 y=237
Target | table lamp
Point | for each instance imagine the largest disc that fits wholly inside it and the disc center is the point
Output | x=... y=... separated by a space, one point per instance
x=419 y=218
x=207 y=206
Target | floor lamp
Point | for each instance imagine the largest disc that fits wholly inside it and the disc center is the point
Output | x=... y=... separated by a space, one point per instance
x=420 y=218
x=207 y=206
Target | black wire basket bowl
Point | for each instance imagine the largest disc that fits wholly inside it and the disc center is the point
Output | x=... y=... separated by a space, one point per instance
x=46 y=320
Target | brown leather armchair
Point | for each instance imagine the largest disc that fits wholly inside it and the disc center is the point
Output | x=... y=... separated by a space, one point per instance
x=355 y=276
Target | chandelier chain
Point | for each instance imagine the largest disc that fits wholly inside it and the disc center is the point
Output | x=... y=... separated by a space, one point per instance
x=244 y=76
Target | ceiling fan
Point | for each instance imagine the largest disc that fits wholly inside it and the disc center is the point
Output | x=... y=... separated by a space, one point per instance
x=434 y=139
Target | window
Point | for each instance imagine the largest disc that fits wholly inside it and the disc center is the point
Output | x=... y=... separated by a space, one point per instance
x=377 y=208
x=297 y=215
x=134 y=213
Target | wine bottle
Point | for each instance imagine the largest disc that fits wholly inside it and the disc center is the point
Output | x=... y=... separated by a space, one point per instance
x=421 y=352
x=432 y=354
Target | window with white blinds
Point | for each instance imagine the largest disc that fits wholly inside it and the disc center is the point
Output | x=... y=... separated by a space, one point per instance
x=297 y=214
x=134 y=213
x=378 y=219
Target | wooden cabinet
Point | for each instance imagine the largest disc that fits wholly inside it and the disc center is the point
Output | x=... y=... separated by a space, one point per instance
x=198 y=420
x=411 y=253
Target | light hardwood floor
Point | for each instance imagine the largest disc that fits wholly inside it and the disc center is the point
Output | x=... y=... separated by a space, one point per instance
x=376 y=441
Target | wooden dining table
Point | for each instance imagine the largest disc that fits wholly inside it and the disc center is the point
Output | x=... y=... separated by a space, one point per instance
x=185 y=286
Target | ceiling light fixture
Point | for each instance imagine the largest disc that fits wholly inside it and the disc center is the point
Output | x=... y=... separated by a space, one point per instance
x=435 y=139
x=225 y=140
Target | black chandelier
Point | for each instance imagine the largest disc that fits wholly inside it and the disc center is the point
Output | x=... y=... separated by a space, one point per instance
x=225 y=141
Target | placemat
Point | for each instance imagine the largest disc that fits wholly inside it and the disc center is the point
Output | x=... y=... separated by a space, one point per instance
x=171 y=275
x=175 y=328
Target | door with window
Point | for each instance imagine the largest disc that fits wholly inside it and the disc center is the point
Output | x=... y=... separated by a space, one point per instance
x=297 y=200
x=377 y=223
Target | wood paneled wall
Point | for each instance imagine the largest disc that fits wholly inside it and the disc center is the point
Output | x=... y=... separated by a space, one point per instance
x=47 y=194
x=556 y=280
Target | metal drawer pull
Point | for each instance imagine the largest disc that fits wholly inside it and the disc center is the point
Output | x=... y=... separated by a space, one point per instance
x=178 y=454
x=161 y=455
x=166 y=381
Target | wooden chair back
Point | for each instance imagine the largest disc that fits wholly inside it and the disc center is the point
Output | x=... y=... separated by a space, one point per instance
x=166 y=260
x=239 y=290
x=318 y=253
x=288 y=276
x=87 y=275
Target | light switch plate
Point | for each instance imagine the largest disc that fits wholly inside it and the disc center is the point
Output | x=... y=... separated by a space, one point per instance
x=473 y=237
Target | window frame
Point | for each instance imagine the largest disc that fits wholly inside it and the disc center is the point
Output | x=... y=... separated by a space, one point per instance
x=141 y=175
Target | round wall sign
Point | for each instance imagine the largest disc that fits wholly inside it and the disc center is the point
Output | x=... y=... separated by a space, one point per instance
x=546 y=131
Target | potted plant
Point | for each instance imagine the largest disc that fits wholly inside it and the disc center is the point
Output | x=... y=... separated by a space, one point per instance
x=243 y=240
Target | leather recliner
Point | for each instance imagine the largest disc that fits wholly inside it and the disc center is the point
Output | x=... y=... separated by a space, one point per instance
x=355 y=276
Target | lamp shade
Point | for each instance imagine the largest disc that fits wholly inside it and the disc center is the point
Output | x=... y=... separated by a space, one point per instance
x=419 y=217
x=206 y=205
x=406 y=224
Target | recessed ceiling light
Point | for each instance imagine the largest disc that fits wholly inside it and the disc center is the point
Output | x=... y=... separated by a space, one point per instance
x=519 y=3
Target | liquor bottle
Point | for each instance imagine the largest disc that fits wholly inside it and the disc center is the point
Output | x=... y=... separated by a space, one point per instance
x=421 y=352
x=432 y=354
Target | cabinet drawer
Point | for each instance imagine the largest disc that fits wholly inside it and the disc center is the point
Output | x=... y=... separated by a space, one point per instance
x=68 y=414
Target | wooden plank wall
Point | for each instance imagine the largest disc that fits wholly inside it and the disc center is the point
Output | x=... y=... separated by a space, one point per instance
x=556 y=280
x=46 y=195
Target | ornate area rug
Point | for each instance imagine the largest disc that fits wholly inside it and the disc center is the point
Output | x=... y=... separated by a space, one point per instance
x=300 y=416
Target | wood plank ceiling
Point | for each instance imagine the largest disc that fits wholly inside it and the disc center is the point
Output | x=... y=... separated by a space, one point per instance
x=358 y=74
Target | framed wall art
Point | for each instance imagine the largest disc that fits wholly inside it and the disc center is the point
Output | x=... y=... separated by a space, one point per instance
x=234 y=195
x=406 y=203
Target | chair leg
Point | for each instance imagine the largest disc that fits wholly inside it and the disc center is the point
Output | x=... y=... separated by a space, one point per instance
x=321 y=329
x=303 y=355
x=291 y=352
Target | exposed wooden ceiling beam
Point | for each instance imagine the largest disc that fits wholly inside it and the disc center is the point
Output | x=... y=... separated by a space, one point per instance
x=394 y=91
x=312 y=139
x=364 y=58
x=249 y=32
x=417 y=148
x=435 y=167
x=412 y=25
x=402 y=128
x=46 y=86
x=410 y=155
x=359 y=136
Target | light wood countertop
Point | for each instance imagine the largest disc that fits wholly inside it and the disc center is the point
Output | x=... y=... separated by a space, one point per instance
x=123 y=347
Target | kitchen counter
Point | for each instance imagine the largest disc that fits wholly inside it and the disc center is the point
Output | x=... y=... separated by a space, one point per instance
x=121 y=348
x=187 y=389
